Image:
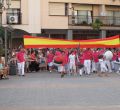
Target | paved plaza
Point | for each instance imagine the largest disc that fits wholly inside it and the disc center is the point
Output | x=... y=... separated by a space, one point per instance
x=47 y=91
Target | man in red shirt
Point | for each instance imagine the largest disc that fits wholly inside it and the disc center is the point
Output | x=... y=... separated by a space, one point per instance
x=87 y=60
x=21 y=62
x=59 y=61
x=50 y=57
x=64 y=65
x=95 y=61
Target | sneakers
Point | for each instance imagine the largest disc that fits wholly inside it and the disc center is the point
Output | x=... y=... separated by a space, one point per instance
x=20 y=75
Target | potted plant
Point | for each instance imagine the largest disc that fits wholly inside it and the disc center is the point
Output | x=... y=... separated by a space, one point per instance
x=84 y=23
x=97 y=24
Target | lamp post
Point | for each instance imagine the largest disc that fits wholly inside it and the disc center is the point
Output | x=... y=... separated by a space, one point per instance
x=2 y=8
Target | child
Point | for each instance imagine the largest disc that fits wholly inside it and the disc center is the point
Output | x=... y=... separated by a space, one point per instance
x=103 y=68
x=3 y=70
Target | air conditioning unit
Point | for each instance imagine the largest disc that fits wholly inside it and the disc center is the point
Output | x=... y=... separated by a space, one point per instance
x=13 y=19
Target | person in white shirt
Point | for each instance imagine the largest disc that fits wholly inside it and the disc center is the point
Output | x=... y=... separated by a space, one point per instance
x=72 y=65
x=103 y=67
x=108 y=57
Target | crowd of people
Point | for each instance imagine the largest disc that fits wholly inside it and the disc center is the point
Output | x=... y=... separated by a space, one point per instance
x=73 y=61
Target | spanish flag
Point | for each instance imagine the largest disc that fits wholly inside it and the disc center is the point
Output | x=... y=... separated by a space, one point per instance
x=40 y=42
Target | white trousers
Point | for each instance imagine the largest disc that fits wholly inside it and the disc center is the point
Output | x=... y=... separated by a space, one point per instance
x=61 y=68
x=95 y=66
x=87 y=66
x=113 y=65
x=21 y=67
x=119 y=59
x=81 y=71
x=103 y=68
x=109 y=66
x=72 y=66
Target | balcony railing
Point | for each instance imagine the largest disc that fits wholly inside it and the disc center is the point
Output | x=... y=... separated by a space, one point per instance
x=14 y=18
x=88 y=20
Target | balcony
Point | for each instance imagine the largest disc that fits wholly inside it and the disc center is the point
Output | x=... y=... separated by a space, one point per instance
x=14 y=18
x=88 y=20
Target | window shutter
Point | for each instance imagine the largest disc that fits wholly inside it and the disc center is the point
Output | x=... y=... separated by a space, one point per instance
x=56 y=9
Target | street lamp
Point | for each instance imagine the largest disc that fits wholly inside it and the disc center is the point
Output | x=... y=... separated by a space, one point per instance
x=2 y=8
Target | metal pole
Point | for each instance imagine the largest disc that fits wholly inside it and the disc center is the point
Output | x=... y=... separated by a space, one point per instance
x=5 y=46
x=11 y=43
x=1 y=27
x=0 y=18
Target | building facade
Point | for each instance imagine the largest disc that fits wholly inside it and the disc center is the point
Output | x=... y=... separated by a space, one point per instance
x=65 y=19
x=24 y=17
x=74 y=19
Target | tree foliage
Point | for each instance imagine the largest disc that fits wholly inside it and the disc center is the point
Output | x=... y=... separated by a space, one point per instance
x=1 y=32
x=97 y=24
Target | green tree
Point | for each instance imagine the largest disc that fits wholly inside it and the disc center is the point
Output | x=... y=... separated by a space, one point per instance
x=1 y=31
x=97 y=24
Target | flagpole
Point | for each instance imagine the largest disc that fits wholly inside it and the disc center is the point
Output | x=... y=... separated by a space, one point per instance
x=78 y=53
x=78 y=48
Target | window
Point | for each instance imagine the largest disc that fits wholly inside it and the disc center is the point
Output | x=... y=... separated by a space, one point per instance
x=57 y=9
x=15 y=4
x=83 y=16
x=13 y=16
x=117 y=18
x=113 y=17
x=66 y=9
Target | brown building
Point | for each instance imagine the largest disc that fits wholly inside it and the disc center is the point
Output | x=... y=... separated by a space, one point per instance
x=73 y=19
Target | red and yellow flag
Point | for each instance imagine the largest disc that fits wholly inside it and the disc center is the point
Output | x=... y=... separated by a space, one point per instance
x=39 y=42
